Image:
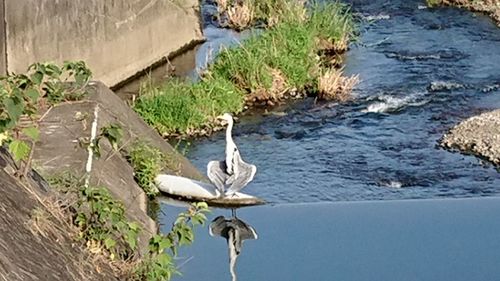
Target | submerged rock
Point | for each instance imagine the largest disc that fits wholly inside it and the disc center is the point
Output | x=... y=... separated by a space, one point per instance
x=437 y=86
x=479 y=135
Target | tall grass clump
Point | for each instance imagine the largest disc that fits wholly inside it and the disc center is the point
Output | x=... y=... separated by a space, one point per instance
x=243 y=14
x=288 y=58
x=331 y=22
x=291 y=48
x=180 y=107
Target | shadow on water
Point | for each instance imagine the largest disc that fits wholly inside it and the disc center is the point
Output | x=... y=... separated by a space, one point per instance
x=235 y=231
x=394 y=240
x=232 y=228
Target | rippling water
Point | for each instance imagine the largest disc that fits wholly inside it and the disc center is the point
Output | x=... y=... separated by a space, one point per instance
x=422 y=71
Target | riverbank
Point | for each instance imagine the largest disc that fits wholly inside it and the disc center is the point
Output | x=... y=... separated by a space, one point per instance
x=478 y=135
x=95 y=160
x=299 y=55
x=489 y=7
x=34 y=244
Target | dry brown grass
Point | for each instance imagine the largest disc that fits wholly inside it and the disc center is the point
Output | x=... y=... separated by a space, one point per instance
x=222 y=5
x=49 y=221
x=240 y=15
x=270 y=96
x=333 y=47
x=53 y=221
x=333 y=85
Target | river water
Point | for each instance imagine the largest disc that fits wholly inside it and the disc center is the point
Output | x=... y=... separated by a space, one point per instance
x=422 y=71
x=383 y=144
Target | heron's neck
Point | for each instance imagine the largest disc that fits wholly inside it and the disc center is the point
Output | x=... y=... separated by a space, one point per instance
x=229 y=137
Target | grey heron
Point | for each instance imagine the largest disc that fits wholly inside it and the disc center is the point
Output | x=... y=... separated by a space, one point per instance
x=233 y=174
x=235 y=231
x=230 y=145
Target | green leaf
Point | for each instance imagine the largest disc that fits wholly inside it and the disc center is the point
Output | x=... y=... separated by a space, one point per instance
x=164 y=259
x=109 y=243
x=53 y=70
x=80 y=79
x=19 y=149
x=132 y=241
x=37 y=77
x=113 y=133
x=164 y=244
x=134 y=226
x=15 y=109
x=33 y=94
x=32 y=133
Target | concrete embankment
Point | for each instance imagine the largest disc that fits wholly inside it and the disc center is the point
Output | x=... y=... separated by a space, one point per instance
x=117 y=39
x=479 y=135
x=67 y=124
x=34 y=245
x=30 y=249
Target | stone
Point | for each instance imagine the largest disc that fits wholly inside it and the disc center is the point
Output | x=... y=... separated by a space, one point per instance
x=479 y=135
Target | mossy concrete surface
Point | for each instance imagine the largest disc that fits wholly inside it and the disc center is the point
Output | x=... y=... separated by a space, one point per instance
x=65 y=126
x=27 y=254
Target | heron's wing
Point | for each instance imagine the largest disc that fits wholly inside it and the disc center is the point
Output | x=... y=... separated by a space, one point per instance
x=216 y=172
x=243 y=174
x=218 y=227
x=245 y=230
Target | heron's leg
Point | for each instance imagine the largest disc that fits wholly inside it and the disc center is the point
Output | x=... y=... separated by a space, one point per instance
x=233 y=212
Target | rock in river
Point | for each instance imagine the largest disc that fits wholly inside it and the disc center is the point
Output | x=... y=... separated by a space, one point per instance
x=479 y=135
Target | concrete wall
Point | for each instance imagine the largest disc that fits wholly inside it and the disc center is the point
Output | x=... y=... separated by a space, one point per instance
x=117 y=38
x=3 y=66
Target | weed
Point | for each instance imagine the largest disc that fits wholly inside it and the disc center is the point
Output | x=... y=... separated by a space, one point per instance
x=242 y=14
x=332 y=22
x=23 y=97
x=179 y=107
x=100 y=218
x=433 y=3
x=112 y=132
x=103 y=225
x=158 y=264
x=288 y=57
x=147 y=162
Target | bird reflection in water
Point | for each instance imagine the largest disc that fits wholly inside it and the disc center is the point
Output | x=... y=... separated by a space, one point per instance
x=235 y=231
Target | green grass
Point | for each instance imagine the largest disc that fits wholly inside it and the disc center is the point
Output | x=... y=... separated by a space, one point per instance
x=177 y=107
x=433 y=3
x=147 y=162
x=289 y=48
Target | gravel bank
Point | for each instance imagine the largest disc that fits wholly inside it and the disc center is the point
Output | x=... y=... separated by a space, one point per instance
x=479 y=135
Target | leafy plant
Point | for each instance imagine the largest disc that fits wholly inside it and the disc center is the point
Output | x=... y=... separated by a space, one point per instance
x=102 y=223
x=147 y=162
x=23 y=97
x=158 y=265
x=112 y=132
x=99 y=217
